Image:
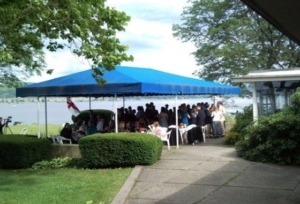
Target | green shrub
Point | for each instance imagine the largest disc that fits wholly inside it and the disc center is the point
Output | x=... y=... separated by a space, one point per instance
x=57 y=163
x=229 y=118
x=274 y=139
x=18 y=151
x=120 y=149
x=243 y=120
x=106 y=115
x=232 y=137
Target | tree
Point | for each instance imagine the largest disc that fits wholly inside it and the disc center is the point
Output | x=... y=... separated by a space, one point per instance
x=232 y=40
x=87 y=27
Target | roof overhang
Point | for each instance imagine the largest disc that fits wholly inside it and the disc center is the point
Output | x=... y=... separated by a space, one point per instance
x=269 y=75
x=283 y=14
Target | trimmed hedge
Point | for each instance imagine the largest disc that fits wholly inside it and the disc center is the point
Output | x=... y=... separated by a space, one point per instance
x=19 y=151
x=106 y=115
x=120 y=149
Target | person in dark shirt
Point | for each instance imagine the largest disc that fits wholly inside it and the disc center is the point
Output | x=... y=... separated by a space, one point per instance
x=1 y=126
x=67 y=132
x=92 y=117
x=201 y=116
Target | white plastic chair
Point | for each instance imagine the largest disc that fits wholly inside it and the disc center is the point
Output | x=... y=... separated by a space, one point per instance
x=189 y=127
x=151 y=130
x=53 y=139
x=60 y=139
x=181 y=131
x=23 y=131
x=166 y=138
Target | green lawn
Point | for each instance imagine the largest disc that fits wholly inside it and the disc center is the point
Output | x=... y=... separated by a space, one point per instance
x=33 y=129
x=61 y=186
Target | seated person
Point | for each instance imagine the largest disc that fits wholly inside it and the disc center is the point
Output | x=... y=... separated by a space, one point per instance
x=66 y=132
x=122 y=127
x=91 y=129
x=1 y=126
x=111 y=126
x=156 y=128
x=80 y=132
x=140 y=124
x=77 y=125
x=100 y=124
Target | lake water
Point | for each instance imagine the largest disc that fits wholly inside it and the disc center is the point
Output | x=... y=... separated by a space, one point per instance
x=58 y=113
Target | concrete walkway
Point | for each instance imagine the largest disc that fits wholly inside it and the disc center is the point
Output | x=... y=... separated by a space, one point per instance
x=210 y=173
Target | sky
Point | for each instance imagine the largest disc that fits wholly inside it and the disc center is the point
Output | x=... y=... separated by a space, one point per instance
x=149 y=37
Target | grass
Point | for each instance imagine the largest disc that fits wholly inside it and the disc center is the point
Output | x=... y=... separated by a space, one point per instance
x=33 y=129
x=61 y=185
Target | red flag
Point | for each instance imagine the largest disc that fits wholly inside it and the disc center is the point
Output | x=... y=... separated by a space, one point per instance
x=72 y=107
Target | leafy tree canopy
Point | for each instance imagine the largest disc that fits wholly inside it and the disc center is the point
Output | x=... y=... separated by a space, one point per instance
x=232 y=40
x=30 y=27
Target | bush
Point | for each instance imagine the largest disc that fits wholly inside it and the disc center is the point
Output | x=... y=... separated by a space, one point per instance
x=57 y=163
x=232 y=137
x=120 y=149
x=18 y=151
x=274 y=139
x=106 y=115
x=243 y=120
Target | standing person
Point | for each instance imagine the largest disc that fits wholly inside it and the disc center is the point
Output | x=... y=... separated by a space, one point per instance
x=100 y=124
x=92 y=118
x=1 y=126
x=163 y=117
x=223 y=112
x=208 y=119
x=201 y=116
x=216 y=122
x=185 y=116
x=194 y=115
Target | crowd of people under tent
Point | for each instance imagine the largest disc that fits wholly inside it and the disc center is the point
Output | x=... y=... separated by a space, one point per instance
x=130 y=120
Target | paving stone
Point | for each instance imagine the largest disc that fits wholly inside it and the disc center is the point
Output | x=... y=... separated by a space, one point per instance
x=230 y=195
x=181 y=193
x=175 y=164
x=157 y=175
x=222 y=166
x=268 y=176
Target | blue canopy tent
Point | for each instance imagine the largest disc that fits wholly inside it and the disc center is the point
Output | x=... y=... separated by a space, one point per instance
x=127 y=81
x=124 y=81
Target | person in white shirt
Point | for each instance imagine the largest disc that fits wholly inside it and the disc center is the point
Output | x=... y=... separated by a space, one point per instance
x=223 y=112
x=100 y=124
x=216 y=122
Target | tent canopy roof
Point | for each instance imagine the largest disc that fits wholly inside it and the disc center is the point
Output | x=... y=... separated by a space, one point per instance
x=127 y=81
x=283 y=14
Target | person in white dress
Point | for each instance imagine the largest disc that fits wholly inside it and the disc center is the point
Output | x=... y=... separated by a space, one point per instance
x=223 y=112
x=216 y=122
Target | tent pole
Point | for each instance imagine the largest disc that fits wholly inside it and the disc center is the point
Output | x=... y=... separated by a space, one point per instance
x=176 y=122
x=90 y=106
x=123 y=101
x=38 y=118
x=46 y=121
x=116 y=114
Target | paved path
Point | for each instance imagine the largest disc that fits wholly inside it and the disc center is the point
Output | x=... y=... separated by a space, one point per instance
x=210 y=173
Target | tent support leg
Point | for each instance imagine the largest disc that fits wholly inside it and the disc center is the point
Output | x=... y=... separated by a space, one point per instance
x=38 y=118
x=176 y=122
x=46 y=118
x=116 y=113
